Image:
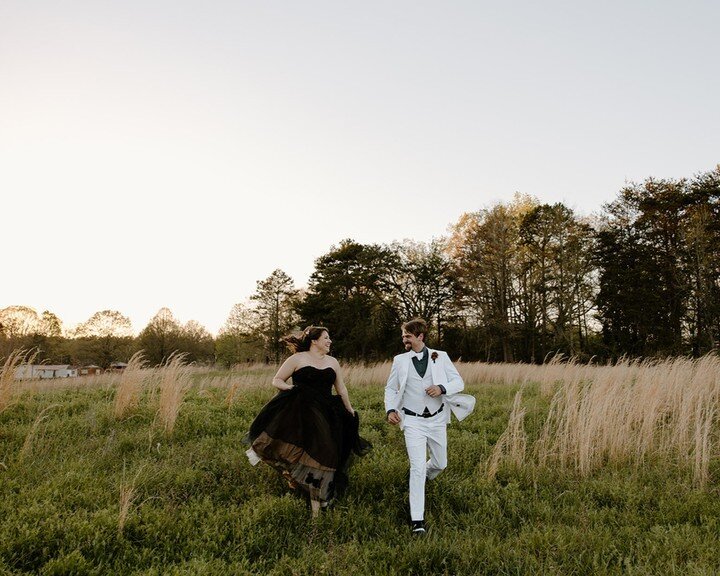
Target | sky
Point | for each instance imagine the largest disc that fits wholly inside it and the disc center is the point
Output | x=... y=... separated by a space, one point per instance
x=173 y=153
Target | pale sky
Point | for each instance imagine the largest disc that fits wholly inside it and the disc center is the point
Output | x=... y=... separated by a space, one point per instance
x=173 y=153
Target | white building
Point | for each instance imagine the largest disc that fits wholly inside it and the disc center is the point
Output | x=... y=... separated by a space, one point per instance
x=33 y=371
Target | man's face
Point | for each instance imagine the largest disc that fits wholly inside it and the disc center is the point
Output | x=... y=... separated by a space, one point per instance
x=413 y=342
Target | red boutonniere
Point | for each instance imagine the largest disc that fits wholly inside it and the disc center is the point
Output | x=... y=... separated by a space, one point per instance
x=434 y=356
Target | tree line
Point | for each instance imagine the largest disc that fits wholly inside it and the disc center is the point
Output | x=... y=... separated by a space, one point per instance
x=516 y=281
x=106 y=337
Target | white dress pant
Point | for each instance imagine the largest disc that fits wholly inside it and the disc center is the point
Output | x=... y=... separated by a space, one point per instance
x=423 y=435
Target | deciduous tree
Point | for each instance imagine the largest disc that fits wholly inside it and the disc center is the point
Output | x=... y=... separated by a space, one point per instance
x=345 y=293
x=239 y=339
x=419 y=282
x=485 y=248
x=18 y=325
x=275 y=299
x=197 y=343
x=103 y=338
x=50 y=325
x=643 y=286
x=556 y=271
x=161 y=337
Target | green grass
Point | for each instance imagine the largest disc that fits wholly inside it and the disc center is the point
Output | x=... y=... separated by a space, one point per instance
x=200 y=508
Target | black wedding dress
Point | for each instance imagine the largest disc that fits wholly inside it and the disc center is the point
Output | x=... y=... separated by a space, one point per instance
x=307 y=435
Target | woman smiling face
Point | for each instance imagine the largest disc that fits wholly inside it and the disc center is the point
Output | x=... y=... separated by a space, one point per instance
x=321 y=344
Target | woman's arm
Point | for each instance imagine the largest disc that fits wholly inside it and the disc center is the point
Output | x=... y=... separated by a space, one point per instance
x=283 y=374
x=340 y=387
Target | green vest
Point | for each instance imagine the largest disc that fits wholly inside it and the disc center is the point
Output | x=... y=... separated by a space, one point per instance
x=422 y=364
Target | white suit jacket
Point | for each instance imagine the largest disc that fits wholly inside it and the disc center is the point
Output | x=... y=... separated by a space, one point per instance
x=443 y=373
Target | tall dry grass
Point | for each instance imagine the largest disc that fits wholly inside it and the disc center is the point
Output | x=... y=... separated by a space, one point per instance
x=174 y=383
x=549 y=375
x=128 y=495
x=32 y=433
x=130 y=385
x=365 y=375
x=627 y=413
x=243 y=378
x=8 y=384
x=511 y=446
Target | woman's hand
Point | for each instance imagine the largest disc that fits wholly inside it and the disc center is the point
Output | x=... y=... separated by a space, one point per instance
x=284 y=372
x=282 y=385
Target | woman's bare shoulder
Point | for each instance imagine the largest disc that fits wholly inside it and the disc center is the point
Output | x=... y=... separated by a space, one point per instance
x=292 y=361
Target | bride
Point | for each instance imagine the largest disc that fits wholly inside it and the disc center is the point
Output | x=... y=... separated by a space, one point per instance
x=306 y=432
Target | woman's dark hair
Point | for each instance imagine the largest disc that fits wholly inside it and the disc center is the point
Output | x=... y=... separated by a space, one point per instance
x=300 y=341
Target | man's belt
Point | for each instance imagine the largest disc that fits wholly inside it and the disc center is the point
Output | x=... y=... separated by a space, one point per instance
x=425 y=414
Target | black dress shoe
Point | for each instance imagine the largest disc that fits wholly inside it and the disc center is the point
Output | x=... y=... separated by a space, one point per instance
x=417 y=527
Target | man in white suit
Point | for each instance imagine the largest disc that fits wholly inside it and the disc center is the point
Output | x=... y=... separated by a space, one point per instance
x=421 y=393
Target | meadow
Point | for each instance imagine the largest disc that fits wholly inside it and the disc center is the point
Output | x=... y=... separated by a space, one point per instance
x=561 y=469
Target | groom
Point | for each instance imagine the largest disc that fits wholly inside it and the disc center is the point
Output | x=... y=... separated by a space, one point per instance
x=420 y=394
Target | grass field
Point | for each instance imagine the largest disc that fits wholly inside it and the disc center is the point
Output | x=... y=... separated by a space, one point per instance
x=86 y=490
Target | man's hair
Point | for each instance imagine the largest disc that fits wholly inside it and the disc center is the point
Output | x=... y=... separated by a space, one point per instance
x=416 y=326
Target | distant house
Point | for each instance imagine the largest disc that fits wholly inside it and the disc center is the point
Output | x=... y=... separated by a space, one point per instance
x=117 y=366
x=34 y=371
x=91 y=370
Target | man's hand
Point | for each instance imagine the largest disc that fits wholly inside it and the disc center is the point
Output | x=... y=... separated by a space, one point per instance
x=393 y=418
x=433 y=391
